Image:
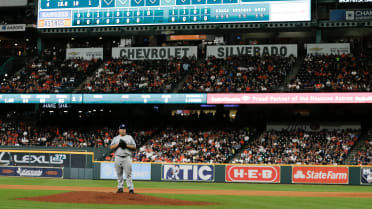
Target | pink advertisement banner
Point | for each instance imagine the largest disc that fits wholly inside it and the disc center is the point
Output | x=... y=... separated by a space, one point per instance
x=290 y=98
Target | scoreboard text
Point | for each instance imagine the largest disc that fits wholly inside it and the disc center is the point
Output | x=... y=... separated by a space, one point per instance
x=99 y=13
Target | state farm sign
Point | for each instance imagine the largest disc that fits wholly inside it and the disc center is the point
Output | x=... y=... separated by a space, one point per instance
x=267 y=174
x=320 y=175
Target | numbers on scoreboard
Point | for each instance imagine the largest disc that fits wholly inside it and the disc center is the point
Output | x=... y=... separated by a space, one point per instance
x=146 y=15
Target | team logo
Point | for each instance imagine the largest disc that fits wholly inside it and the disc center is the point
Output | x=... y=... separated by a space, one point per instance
x=29 y=172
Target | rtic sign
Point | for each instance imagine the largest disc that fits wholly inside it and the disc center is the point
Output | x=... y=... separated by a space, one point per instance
x=267 y=174
x=174 y=172
x=320 y=175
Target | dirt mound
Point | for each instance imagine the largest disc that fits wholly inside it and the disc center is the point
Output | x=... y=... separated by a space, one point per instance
x=111 y=198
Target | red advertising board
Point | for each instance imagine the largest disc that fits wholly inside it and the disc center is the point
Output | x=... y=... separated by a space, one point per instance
x=267 y=174
x=320 y=175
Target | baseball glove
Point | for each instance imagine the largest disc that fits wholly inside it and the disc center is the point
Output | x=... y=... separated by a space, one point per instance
x=122 y=144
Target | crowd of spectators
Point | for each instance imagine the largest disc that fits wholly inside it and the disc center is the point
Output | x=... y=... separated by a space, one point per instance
x=239 y=74
x=334 y=73
x=364 y=154
x=193 y=146
x=14 y=131
x=49 y=73
x=138 y=76
x=300 y=147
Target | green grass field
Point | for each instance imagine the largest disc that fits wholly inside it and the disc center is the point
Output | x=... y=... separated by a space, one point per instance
x=8 y=196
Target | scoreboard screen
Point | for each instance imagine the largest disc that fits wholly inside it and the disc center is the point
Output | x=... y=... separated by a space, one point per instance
x=101 y=13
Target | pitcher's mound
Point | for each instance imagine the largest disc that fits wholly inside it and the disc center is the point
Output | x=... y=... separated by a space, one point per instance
x=111 y=198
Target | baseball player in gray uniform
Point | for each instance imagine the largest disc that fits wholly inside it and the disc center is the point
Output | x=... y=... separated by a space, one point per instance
x=123 y=145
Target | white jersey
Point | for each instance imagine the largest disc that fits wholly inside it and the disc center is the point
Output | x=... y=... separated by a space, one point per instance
x=123 y=152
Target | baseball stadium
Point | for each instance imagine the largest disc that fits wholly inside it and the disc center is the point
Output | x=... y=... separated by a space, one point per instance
x=200 y=104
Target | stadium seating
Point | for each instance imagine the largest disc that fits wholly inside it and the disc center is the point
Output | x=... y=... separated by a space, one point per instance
x=334 y=73
x=196 y=146
x=239 y=74
x=137 y=76
x=49 y=73
x=364 y=154
x=299 y=147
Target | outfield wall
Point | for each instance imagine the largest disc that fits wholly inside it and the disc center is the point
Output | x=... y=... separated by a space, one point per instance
x=81 y=165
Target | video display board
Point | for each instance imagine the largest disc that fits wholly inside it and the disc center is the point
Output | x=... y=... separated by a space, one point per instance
x=101 y=13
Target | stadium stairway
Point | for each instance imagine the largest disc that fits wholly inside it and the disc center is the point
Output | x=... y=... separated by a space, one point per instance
x=292 y=75
x=356 y=148
x=180 y=84
x=238 y=154
x=79 y=89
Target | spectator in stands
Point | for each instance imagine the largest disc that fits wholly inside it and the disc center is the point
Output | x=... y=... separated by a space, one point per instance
x=49 y=74
x=334 y=73
x=179 y=145
x=300 y=147
x=239 y=74
x=364 y=155
x=138 y=76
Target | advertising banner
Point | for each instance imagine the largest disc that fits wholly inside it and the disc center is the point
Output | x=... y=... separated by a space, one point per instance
x=140 y=171
x=264 y=174
x=155 y=53
x=16 y=158
x=31 y=172
x=221 y=52
x=289 y=98
x=13 y=28
x=351 y=15
x=84 y=53
x=320 y=175
x=328 y=49
x=366 y=176
x=175 y=172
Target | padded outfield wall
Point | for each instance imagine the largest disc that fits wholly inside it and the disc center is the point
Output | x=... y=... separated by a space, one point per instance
x=81 y=165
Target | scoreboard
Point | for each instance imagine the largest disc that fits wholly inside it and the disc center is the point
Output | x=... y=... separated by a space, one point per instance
x=100 y=13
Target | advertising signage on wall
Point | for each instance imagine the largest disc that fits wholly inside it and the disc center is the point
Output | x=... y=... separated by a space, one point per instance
x=141 y=171
x=366 y=176
x=262 y=174
x=192 y=98
x=84 y=53
x=289 y=98
x=42 y=159
x=155 y=53
x=320 y=175
x=221 y=52
x=31 y=172
x=184 y=172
